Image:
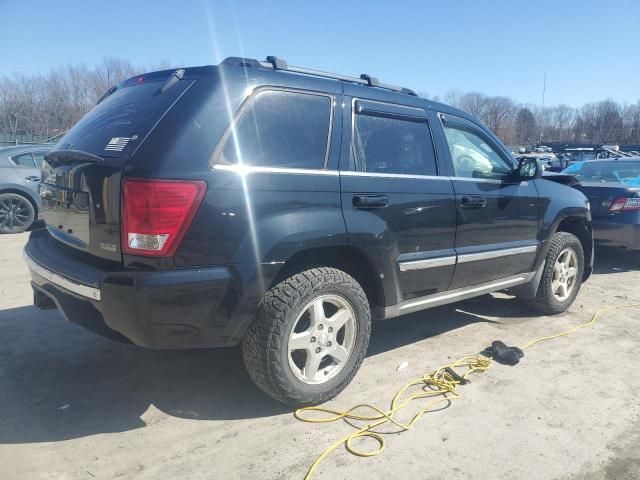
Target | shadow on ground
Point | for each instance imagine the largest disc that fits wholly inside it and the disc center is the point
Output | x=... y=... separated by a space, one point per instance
x=609 y=260
x=58 y=381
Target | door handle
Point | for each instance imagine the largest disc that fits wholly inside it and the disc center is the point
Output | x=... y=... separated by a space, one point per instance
x=370 y=201
x=473 y=202
x=32 y=178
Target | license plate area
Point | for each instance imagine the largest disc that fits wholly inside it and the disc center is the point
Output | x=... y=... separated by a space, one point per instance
x=66 y=214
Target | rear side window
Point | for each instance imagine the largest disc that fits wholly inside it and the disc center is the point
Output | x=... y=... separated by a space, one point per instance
x=23 y=160
x=394 y=146
x=280 y=129
x=38 y=157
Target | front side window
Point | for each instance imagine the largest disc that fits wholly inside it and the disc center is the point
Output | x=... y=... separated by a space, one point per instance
x=390 y=145
x=280 y=129
x=23 y=160
x=473 y=157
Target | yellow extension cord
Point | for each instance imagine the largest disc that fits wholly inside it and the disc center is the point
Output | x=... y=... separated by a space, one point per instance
x=436 y=384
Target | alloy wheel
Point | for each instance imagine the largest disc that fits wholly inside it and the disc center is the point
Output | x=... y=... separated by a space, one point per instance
x=322 y=339
x=16 y=214
x=565 y=272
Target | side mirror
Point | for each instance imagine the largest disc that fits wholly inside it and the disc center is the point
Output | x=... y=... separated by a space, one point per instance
x=529 y=169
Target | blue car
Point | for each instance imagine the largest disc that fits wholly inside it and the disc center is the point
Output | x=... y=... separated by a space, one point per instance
x=613 y=188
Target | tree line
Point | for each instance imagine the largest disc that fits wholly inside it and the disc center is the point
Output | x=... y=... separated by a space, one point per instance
x=605 y=121
x=49 y=104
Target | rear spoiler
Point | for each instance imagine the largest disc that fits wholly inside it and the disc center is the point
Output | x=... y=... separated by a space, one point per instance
x=67 y=156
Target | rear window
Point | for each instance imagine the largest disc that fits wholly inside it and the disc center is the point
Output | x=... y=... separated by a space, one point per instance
x=115 y=126
x=609 y=171
x=279 y=129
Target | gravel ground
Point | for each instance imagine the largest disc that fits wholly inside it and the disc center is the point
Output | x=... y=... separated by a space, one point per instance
x=76 y=406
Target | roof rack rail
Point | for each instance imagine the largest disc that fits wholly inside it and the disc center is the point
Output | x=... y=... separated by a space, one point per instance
x=276 y=63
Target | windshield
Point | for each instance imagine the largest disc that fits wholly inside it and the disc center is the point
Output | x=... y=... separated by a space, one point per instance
x=613 y=171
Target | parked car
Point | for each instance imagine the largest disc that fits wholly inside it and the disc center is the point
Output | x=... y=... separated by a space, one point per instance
x=613 y=189
x=284 y=208
x=19 y=177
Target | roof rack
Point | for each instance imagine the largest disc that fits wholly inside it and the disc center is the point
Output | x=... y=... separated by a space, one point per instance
x=276 y=63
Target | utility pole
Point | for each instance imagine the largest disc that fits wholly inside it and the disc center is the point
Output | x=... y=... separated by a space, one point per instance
x=544 y=89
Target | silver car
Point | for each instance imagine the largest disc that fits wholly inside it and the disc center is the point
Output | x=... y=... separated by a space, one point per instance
x=19 y=178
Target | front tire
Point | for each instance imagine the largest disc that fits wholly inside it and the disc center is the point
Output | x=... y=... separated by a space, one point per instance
x=562 y=275
x=309 y=337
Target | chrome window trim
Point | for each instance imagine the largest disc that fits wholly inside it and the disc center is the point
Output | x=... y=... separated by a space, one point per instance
x=427 y=263
x=255 y=91
x=81 y=289
x=353 y=173
x=247 y=169
x=505 y=252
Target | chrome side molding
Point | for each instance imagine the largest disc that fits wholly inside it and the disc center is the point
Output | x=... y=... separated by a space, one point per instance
x=451 y=296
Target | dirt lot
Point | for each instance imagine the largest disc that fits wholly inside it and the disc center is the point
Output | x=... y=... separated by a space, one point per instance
x=76 y=406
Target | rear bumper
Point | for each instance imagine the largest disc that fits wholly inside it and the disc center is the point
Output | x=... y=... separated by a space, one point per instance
x=624 y=235
x=155 y=309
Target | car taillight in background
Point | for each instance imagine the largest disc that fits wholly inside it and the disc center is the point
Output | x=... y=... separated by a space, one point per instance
x=157 y=213
x=624 y=205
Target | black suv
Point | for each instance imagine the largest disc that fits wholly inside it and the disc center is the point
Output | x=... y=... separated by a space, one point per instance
x=284 y=208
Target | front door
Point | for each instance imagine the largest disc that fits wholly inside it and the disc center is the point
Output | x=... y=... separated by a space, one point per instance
x=394 y=203
x=497 y=215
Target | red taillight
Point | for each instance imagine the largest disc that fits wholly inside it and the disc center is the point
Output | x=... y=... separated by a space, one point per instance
x=157 y=213
x=624 y=205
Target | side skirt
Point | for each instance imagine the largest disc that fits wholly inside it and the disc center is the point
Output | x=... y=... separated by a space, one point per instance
x=451 y=296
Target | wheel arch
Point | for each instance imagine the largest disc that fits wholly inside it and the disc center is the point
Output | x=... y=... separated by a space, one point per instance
x=581 y=228
x=347 y=258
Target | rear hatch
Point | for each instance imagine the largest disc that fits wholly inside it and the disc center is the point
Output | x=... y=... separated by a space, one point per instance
x=81 y=176
x=602 y=195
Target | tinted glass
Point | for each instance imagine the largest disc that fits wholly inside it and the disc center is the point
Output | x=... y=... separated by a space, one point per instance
x=121 y=118
x=389 y=145
x=613 y=171
x=39 y=158
x=281 y=129
x=23 y=160
x=473 y=157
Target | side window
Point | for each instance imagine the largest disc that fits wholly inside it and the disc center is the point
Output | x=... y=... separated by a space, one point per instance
x=473 y=157
x=38 y=158
x=23 y=160
x=280 y=129
x=390 y=145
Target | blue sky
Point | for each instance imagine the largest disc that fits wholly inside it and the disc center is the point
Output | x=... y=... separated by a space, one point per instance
x=496 y=47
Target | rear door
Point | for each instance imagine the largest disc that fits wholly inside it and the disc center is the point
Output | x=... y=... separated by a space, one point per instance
x=396 y=207
x=497 y=216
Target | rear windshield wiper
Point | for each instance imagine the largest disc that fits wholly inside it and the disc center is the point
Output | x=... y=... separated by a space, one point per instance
x=67 y=156
x=175 y=77
x=107 y=93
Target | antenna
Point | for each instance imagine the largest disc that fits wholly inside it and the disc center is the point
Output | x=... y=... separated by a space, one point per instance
x=544 y=89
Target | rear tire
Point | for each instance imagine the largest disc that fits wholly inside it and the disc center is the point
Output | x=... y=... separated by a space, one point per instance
x=309 y=337
x=562 y=275
x=17 y=213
